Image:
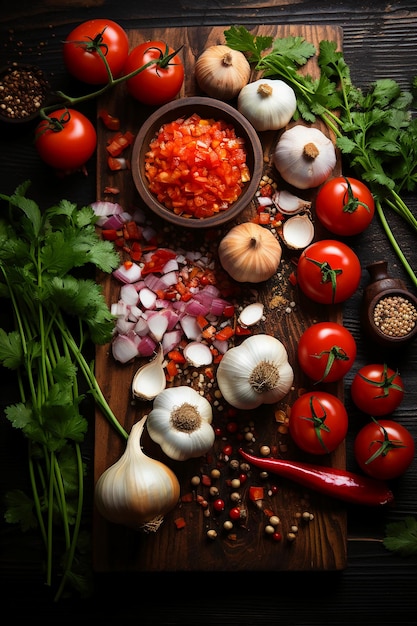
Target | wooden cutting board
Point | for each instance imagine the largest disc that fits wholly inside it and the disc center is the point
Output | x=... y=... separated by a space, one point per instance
x=320 y=543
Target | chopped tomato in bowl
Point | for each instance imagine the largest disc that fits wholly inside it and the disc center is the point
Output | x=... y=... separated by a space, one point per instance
x=197 y=162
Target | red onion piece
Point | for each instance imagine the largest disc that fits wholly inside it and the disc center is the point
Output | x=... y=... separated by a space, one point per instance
x=128 y=274
x=125 y=347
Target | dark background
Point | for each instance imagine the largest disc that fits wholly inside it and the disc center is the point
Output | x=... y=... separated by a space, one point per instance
x=377 y=587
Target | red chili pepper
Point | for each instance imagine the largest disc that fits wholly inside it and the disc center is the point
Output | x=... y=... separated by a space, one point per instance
x=327 y=480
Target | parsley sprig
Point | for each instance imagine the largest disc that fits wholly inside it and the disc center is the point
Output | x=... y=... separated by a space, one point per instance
x=374 y=130
x=55 y=312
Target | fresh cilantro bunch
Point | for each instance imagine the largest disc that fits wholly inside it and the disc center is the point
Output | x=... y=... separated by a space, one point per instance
x=55 y=312
x=374 y=130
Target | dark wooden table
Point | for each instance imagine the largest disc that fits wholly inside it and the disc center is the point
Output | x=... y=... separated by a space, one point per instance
x=377 y=587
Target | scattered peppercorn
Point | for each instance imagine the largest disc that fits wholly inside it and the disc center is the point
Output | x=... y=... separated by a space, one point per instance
x=22 y=92
x=395 y=316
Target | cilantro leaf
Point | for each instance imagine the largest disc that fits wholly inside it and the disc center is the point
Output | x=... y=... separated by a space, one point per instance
x=11 y=354
x=20 y=510
x=239 y=38
x=401 y=537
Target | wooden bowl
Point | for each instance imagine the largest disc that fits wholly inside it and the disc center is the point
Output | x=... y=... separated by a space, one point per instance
x=24 y=90
x=207 y=108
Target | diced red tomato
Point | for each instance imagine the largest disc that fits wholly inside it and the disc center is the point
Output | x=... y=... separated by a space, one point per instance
x=197 y=167
x=109 y=121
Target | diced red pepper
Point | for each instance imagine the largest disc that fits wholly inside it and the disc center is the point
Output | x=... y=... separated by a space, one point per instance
x=118 y=163
x=109 y=121
x=131 y=230
x=225 y=333
x=179 y=523
x=256 y=493
x=110 y=234
x=171 y=369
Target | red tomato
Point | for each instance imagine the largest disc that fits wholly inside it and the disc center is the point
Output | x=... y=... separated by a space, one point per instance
x=326 y=351
x=82 y=58
x=318 y=422
x=384 y=449
x=345 y=206
x=377 y=389
x=67 y=141
x=157 y=84
x=328 y=271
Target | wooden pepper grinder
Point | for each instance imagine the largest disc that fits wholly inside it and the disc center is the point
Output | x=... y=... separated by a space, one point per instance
x=389 y=309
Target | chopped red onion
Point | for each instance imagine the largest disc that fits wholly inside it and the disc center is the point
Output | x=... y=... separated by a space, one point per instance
x=125 y=347
x=128 y=274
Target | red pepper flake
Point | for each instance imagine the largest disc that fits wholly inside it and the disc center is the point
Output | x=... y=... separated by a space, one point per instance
x=176 y=356
x=206 y=480
x=118 y=163
x=187 y=497
x=109 y=121
x=132 y=231
x=264 y=218
x=171 y=369
x=110 y=234
x=225 y=333
x=268 y=513
x=256 y=493
x=180 y=523
x=293 y=279
x=112 y=190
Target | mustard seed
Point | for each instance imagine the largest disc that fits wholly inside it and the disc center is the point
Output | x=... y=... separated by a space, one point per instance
x=395 y=316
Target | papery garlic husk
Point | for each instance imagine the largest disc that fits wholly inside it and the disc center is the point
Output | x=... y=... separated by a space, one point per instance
x=150 y=379
x=250 y=253
x=180 y=422
x=251 y=314
x=298 y=232
x=137 y=491
x=304 y=157
x=255 y=372
x=267 y=103
x=221 y=72
x=289 y=204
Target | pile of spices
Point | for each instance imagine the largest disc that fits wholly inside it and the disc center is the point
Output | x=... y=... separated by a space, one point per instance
x=22 y=92
x=395 y=316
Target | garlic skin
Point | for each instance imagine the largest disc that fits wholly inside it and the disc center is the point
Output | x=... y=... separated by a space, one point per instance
x=250 y=253
x=289 y=204
x=180 y=422
x=255 y=372
x=298 y=232
x=150 y=379
x=267 y=104
x=304 y=157
x=222 y=72
x=136 y=491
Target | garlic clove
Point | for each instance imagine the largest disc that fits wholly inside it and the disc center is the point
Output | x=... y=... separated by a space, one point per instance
x=289 y=204
x=150 y=379
x=251 y=314
x=198 y=354
x=298 y=232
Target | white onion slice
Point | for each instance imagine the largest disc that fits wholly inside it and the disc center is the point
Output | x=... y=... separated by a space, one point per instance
x=128 y=294
x=147 y=298
x=130 y=274
x=157 y=324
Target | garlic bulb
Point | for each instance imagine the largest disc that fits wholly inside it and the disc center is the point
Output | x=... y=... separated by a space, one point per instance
x=250 y=253
x=222 y=72
x=137 y=491
x=255 y=372
x=150 y=379
x=180 y=422
x=267 y=104
x=304 y=157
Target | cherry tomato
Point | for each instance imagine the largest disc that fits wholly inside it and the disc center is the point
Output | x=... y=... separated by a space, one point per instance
x=318 y=422
x=384 y=449
x=157 y=84
x=328 y=271
x=81 y=55
x=377 y=389
x=67 y=141
x=326 y=351
x=345 y=206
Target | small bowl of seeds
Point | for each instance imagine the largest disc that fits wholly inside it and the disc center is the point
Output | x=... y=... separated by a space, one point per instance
x=23 y=92
x=389 y=314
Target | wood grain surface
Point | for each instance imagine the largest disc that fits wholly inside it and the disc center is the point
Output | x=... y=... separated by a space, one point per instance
x=320 y=545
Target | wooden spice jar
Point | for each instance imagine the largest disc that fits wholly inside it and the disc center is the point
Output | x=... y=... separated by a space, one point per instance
x=389 y=309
